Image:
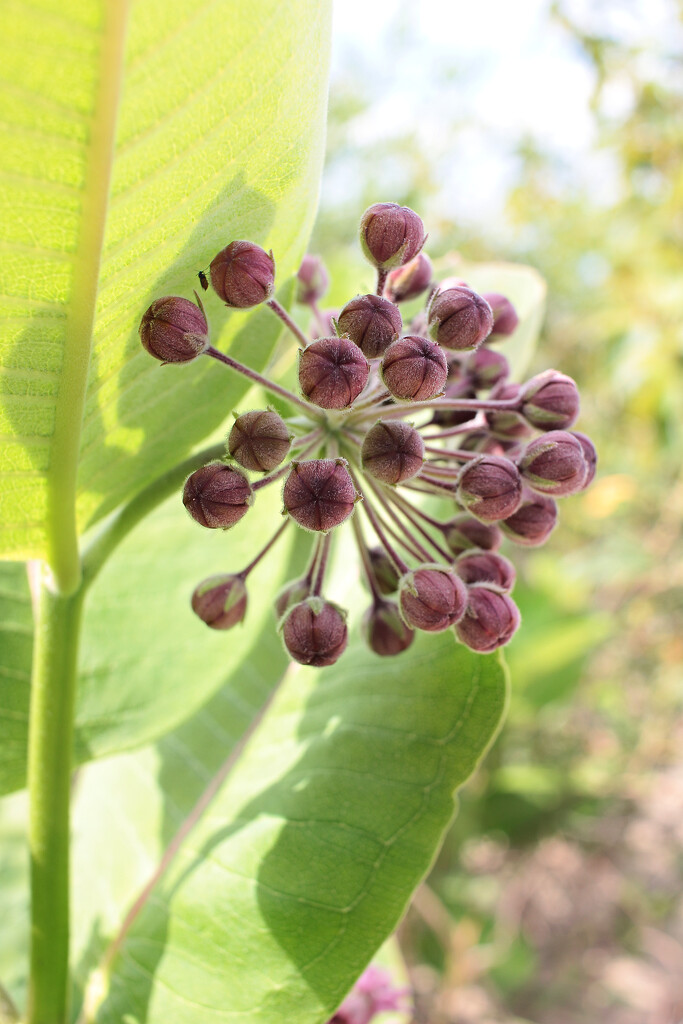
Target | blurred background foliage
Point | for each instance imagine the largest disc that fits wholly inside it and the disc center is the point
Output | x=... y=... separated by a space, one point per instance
x=557 y=899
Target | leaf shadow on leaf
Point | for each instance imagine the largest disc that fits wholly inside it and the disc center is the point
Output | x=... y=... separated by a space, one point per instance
x=353 y=823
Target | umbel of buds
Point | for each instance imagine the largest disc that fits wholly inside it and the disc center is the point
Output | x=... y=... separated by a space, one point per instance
x=413 y=434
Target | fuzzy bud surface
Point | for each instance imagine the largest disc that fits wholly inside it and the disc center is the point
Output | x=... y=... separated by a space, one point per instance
x=390 y=235
x=217 y=496
x=332 y=372
x=319 y=493
x=392 y=451
x=490 y=621
x=414 y=369
x=459 y=319
x=220 y=601
x=432 y=598
x=243 y=275
x=371 y=322
x=314 y=632
x=259 y=440
x=174 y=330
x=490 y=488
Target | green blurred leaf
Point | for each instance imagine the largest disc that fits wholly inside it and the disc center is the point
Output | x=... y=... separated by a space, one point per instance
x=219 y=135
x=305 y=859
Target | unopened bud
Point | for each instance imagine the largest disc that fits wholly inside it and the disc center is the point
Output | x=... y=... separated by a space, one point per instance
x=507 y=424
x=319 y=493
x=432 y=598
x=590 y=455
x=550 y=401
x=243 y=275
x=292 y=593
x=459 y=319
x=486 y=567
x=371 y=322
x=314 y=632
x=392 y=451
x=174 y=330
x=485 y=368
x=259 y=440
x=217 y=496
x=410 y=280
x=490 y=620
x=554 y=464
x=312 y=280
x=384 y=571
x=220 y=601
x=332 y=372
x=414 y=369
x=505 y=318
x=390 y=235
x=533 y=522
x=463 y=532
x=385 y=631
x=489 y=488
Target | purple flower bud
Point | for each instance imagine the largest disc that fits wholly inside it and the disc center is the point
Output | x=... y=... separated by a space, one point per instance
x=312 y=280
x=486 y=567
x=220 y=601
x=505 y=318
x=373 y=993
x=489 y=487
x=485 y=368
x=259 y=440
x=390 y=235
x=533 y=522
x=292 y=593
x=174 y=330
x=410 y=280
x=414 y=369
x=463 y=532
x=314 y=632
x=392 y=451
x=590 y=455
x=319 y=493
x=217 y=496
x=385 y=631
x=490 y=620
x=507 y=424
x=459 y=319
x=550 y=401
x=371 y=322
x=243 y=275
x=332 y=372
x=432 y=598
x=554 y=464
x=384 y=571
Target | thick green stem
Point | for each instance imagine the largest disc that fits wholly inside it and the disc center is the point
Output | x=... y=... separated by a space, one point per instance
x=50 y=742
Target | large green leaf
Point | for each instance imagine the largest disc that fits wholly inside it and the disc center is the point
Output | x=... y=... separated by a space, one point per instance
x=150 y=132
x=304 y=860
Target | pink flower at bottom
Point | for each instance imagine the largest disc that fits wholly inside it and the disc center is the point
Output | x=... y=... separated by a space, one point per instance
x=373 y=993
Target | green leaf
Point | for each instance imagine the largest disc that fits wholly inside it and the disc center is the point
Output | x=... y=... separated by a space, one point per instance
x=146 y=661
x=169 y=129
x=303 y=862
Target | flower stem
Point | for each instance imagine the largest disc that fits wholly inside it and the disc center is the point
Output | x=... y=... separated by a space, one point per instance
x=268 y=385
x=50 y=745
x=287 y=321
x=264 y=551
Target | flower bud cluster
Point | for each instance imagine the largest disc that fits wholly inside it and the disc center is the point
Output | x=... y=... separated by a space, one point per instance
x=388 y=414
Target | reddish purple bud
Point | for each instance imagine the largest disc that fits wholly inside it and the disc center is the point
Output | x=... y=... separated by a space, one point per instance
x=384 y=571
x=385 y=631
x=319 y=493
x=292 y=593
x=432 y=598
x=390 y=235
x=259 y=440
x=220 y=601
x=550 y=401
x=533 y=522
x=392 y=451
x=217 y=496
x=373 y=993
x=243 y=275
x=174 y=330
x=459 y=319
x=414 y=369
x=505 y=318
x=486 y=567
x=490 y=620
x=507 y=424
x=312 y=280
x=485 y=368
x=410 y=280
x=590 y=455
x=489 y=487
x=314 y=632
x=463 y=532
x=554 y=464
x=332 y=372
x=371 y=322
